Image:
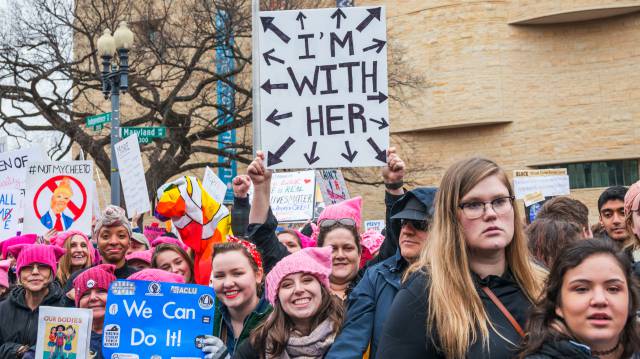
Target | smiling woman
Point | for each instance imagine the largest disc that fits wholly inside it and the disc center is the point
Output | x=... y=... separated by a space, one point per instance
x=79 y=254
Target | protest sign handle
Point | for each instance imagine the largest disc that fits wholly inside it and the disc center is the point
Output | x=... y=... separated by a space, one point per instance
x=255 y=54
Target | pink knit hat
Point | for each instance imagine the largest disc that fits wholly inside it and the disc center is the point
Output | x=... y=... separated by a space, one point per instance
x=168 y=240
x=157 y=275
x=632 y=198
x=60 y=239
x=27 y=254
x=144 y=256
x=23 y=239
x=351 y=208
x=312 y=260
x=4 y=273
x=371 y=240
x=305 y=241
x=99 y=277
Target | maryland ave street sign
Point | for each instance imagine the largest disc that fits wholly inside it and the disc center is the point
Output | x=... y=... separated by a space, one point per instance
x=145 y=134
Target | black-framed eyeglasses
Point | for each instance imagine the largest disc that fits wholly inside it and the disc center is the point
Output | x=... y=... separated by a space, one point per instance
x=418 y=225
x=332 y=222
x=476 y=209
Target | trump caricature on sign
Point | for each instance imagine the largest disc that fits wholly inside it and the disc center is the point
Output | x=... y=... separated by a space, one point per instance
x=55 y=217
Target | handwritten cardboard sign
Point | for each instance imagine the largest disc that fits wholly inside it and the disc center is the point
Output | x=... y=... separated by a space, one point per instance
x=11 y=210
x=134 y=184
x=58 y=196
x=549 y=182
x=14 y=164
x=323 y=93
x=292 y=195
x=155 y=319
x=332 y=185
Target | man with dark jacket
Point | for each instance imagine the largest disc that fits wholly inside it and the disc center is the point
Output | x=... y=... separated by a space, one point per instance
x=408 y=219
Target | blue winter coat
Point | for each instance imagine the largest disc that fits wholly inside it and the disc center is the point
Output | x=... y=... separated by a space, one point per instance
x=370 y=300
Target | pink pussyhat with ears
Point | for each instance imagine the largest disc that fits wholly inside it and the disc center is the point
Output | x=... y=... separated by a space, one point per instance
x=351 y=208
x=371 y=240
x=157 y=275
x=98 y=277
x=4 y=273
x=22 y=239
x=144 y=256
x=60 y=239
x=45 y=254
x=168 y=240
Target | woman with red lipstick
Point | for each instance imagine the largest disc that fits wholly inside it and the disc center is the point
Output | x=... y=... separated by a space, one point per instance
x=469 y=293
x=589 y=306
x=236 y=277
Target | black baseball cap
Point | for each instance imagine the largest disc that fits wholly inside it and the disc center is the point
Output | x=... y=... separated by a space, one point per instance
x=413 y=209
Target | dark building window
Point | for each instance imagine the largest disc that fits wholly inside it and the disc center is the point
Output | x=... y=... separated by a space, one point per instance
x=600 y=173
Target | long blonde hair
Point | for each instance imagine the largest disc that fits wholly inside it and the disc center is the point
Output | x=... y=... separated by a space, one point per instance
x=64 y=265
x=455 y=308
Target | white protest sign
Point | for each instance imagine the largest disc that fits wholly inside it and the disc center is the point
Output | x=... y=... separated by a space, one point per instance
x=3 y=144
x=332 y=185
x=292 y=195
x=323 y=87
x=214 y=185
x=13 y=166
x=549 y=182
x=134 y=184
x=68 y=326
x=10 y=211
x=377 y=225
x=58 y=196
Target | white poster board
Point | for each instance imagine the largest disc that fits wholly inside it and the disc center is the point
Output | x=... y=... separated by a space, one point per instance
x=323 y=87
x=549 y=182
x=214 y=185
x=14 y=164
x=332 y=185
x=58 y=188
x=72 y=325
x=134 y=184
x=292 y=195
x=377 y=225
x=10 y=212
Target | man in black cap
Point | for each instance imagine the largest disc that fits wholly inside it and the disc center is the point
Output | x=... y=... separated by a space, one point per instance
x=406 y=234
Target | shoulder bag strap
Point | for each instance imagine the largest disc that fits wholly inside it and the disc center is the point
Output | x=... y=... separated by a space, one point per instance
x=504 y=310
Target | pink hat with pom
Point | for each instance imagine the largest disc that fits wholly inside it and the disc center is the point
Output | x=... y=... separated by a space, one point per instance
x=27 y=254
x=23 y=239
x=632 y=198
x=4 y=273
x=351 y=208
x=168 y=240
x=144 y=256
x=60 y=239
x=99 y=277
x=157 y=275
x=312 y=260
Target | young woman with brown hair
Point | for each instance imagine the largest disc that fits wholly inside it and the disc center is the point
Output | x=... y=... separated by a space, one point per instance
x=476 y=251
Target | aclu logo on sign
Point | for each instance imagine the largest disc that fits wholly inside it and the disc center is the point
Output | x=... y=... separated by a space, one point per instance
x=111 y=338
x=205 y=302
x=154 y=289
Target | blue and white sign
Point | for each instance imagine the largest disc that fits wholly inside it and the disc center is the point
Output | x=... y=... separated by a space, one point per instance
x=156 y=320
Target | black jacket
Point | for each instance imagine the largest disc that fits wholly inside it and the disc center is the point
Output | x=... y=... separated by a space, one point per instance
x=18 y=323
x=246 y=351
x=405 y=336
x=561 y=349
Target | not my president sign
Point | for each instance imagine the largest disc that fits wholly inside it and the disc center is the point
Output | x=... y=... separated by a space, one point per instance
x=323 y=87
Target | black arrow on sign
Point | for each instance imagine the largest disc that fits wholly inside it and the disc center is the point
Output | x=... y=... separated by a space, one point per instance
x=349 y=156
x=337 y=15
x=373 y=14
x=381 y=154
x=267 y=24
x=380 y=97
x=377 y=43
x=267 y=56
x=267 y=86
x=274 y=117
x=383 y=123
x=312 y=158
x=301 y=18
x=274 y=158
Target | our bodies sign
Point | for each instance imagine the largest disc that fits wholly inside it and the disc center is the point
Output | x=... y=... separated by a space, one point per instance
x=323 y=96
x=148 y=319
x=58 y=196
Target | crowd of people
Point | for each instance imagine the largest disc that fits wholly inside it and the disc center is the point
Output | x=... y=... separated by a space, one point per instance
x=456 y=273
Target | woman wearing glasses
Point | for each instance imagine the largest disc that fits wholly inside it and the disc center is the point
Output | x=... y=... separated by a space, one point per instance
x=36 y=270
x=338 y=227
x=468 y=294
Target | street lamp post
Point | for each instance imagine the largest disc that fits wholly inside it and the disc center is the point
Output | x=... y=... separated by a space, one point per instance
x=115 y=78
